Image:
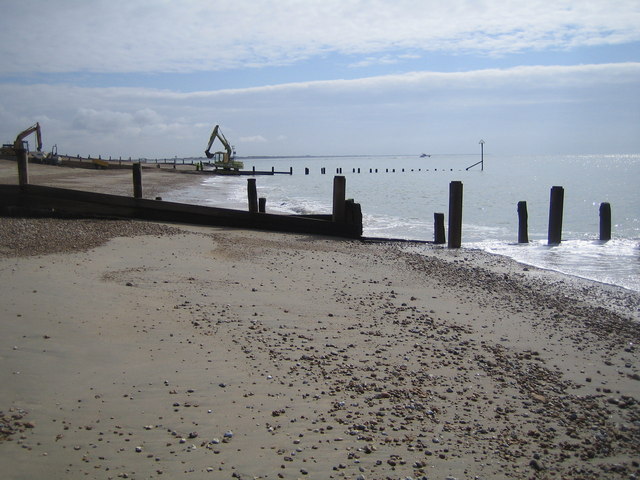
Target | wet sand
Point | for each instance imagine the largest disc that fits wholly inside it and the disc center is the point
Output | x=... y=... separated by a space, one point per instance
x=139 y=350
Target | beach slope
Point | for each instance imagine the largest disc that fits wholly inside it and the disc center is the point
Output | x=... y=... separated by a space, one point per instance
x=139 y=350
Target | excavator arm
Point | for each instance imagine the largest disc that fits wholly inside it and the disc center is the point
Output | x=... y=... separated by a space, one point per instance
x=25 y=133
x=218 y=134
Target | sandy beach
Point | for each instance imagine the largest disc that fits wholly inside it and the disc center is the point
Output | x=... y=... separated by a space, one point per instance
x=144 y=350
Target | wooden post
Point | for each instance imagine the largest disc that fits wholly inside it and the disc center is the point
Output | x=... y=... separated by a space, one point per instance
x=556 y=205
x=438 y=229
x=605 y=221
x=353 y=216
x=253 y=195
x=23 y=167
x=523 y=223
x=339 y=195
x=455 y=214
x=137 y=180
x=349 y=210
x=262 y=205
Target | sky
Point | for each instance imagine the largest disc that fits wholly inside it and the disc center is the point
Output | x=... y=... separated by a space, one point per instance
x=151 y=78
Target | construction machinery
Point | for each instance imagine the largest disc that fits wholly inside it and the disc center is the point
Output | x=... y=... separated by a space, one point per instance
x=53 y=158
x=21 y=144
x=38 y=155
x=223 y=160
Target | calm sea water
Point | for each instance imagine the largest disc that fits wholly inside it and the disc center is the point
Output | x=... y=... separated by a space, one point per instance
x=401 y=204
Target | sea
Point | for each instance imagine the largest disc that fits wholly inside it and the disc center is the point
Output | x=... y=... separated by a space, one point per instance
x=399 y=195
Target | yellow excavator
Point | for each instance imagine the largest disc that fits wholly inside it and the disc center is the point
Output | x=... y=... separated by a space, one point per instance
x=223 y=160
x=20 y=143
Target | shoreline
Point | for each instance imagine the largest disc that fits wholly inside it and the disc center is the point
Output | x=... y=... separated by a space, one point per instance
x=166 y=181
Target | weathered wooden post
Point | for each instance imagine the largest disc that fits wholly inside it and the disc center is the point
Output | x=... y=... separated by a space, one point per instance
x=137 y=180
x=253 y=195
x=455 y=214
x=262 y=205
x=438 y=229
x=556 y=205
x=523 y=223
x=23 y=166
x=339 y=195
x=353 y=217
x=605 y=221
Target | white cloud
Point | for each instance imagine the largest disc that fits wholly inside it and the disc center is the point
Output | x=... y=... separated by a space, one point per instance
x=383 y=60
x=199 y=35
x=253 y=139
x=385 y=114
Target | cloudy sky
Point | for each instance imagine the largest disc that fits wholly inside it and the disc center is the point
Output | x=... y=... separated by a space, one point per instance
x=150 y=78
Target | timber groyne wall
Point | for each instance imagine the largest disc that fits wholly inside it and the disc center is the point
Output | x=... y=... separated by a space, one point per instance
x=36 y=200
x=25 y=199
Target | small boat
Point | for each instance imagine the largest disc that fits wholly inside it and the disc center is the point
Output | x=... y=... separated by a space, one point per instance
x=424 y=155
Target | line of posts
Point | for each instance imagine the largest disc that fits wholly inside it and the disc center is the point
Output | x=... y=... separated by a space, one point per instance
x=556 y=207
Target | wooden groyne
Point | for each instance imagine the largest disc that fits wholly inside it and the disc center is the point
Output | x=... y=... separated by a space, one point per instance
x=554 y=237
x=25 y=199
x=36 y=200
x=193 y=165
x=200 y=167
